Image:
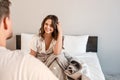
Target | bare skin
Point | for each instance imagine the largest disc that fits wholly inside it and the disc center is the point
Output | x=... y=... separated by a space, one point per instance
x=5 y=30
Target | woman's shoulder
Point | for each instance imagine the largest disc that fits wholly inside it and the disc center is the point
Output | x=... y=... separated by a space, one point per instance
x=37 y=37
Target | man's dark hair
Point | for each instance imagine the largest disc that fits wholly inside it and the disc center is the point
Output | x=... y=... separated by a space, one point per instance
x=4 y=8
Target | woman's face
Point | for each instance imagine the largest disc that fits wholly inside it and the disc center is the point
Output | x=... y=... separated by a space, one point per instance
x=48 y=26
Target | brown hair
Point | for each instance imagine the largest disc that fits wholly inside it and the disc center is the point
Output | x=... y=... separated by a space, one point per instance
x=54 y=25
x=4 y=8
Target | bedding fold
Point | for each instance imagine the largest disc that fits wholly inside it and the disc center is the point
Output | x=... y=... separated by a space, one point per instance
x=66 y=67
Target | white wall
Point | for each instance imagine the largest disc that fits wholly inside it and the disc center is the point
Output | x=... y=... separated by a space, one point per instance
x=94 y=17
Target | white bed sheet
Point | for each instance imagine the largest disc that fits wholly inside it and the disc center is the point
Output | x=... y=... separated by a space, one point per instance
x=91 y=59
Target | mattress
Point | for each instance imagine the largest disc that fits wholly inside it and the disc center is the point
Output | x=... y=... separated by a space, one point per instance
x=91 y=59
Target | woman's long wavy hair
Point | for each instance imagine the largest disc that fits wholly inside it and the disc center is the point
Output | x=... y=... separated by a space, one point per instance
x=54 y=25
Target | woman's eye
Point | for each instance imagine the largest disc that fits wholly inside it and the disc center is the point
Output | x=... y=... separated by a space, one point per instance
x=50 y=25
x=46 y=24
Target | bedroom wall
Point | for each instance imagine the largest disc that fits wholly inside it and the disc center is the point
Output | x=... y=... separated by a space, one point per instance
x=94 y=17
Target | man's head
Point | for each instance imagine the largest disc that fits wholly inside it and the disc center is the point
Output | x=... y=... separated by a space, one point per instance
x=5 y=21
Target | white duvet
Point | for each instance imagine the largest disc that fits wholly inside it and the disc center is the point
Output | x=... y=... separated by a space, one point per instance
x=91 y=59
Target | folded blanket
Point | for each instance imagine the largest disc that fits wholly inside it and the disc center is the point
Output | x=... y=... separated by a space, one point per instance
x=72 y=71
x=72 y=68
x=75 y=70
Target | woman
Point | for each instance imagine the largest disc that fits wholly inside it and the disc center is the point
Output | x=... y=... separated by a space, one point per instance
x=49 y=39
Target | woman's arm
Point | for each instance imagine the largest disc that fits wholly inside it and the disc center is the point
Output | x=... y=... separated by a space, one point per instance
x=58 y=46
x=32 y=52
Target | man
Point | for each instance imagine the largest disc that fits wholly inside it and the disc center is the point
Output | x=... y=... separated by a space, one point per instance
x=15 y=65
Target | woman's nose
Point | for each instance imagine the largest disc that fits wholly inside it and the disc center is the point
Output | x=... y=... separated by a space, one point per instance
x=48 y=26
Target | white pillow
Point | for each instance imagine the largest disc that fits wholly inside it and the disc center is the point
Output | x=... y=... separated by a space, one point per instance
x=25 y=41
x=75 y=45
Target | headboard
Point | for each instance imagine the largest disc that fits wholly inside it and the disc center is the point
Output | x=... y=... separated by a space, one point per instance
x=91 y=44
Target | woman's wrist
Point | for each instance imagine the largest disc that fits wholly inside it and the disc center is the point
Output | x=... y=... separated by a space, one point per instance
x=60 y=33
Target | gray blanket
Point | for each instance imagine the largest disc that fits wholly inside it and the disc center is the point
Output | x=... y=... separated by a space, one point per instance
x=65 y=67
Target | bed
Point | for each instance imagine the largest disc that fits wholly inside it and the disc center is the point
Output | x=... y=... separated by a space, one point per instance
x=89 y=56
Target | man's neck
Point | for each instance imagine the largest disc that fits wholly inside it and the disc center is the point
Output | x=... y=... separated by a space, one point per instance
x=2 y=42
